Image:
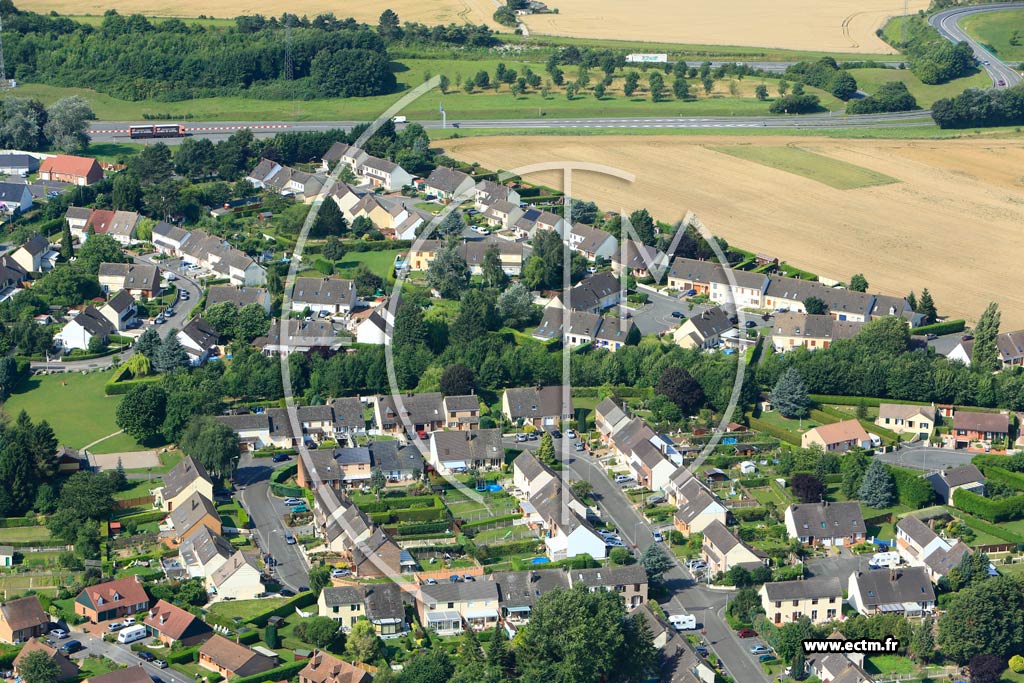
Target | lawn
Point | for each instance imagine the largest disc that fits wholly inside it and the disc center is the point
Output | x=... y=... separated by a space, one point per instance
x=995 y=30
x=20 y=534
x=889 y=664
x=114 y=152
x=225 y=612
x=74 y=404
x=94 y=666
x=869 y=79
x=796 y=427
x=138 y=489
x=381 y=263
x=832 y=172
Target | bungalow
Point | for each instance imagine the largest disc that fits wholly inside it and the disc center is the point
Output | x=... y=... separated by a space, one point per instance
x=803 y=330
x=66 y=669
x=323 y=295
x=139 y=279
x=540 y=406
x=703 y=331
x=292 y=182
x=120 y=310
x=409 y=413
x=461 y=412
x=458 y=451
x=237 y=579
x=18 y=164
x=819 y=599
x=946 y=482
x=971 y=427
x=918 y=421
x=71 y=169
x=449 y=608
x=827 y=524
x=722 y=551
x=35 y=255
x=919 y=546
x=22 y=619
x=112 y=600
x=638 y=260
x=199 y=340
x=240 y=297
x=172 y=625
x=77 y=333
x=596 y=293
x=229 y=658
x=196 y=512
x=837 y=436
x=324 y=668
x=592 y=242
x=1009 y=346
x=261 y=430
x=447 y=184
x=299 y=336
x=263 y=172
x=907 y=591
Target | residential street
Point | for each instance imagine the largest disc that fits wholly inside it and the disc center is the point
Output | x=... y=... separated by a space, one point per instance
x=266 y=512
x=121 y=654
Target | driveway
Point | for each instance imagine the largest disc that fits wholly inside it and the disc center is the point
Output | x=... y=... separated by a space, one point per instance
x=267 y=513
x=927 y=458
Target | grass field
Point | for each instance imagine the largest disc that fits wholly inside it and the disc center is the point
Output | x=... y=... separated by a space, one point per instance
x=888 y=232
x=994 y=30
x=832 y=172
x=869 y=79
x=224 y=612
x=381 y=263
x=19 y=534
x=75 y=406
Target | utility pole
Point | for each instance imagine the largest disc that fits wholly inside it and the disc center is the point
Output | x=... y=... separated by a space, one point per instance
x=3 y=69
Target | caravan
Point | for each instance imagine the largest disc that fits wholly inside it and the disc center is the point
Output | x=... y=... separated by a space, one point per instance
x=132 y=634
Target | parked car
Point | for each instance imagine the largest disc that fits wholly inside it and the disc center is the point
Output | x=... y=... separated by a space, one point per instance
x=678 y=314
x=555 y=434
x=532 y=436
x=760 y=650
x=454 y=578
x=1000 y=82
x=286 y=593
x=683 y=622
x=431 y=582
x=71 y=647
x=658 y=538
x=469 y=577
x=58 y=633
x=766 y=658
x=521 y=438
x=579 y=447
x=571 y=433
x=340 y=573
x=701 y=650
x=622 y=478
x=750 y=323
x=160 y=320
x=115 y=626
x=129 y=621
x=289 y=539
x=169 y=312
x=171 y=276
x=301 y=507
x=614 y=543
x=656 y=500
x=292 y=501
x=161 y=664
x=690 y=292
x=281 y=457
x=422 y=433
x=146 y=656
x=747 y=633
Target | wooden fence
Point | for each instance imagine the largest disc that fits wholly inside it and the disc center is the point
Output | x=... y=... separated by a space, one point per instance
x=125 y=503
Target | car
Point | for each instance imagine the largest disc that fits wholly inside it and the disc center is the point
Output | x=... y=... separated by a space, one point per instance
x=58 y=633
x=656 y=500
x=159 y=320
x=340 y=573
x=967 y=337
x=469 y=577
x=301 y=507
x=71 y=647
x=696 y=565
x=129 y=621
x=281 y=457
x=683 y=622
x=760 y=650
x=161 y=664
x=520 y=438
x=579 y=447
x=289 y=539
x=930 y=336
x=606 y=533
x=171 y=277
x=701 y=650
x=169 y=312
x=1000 y=82
x=622 y=478
x=766 y=658
x=115 y=626
x=422 y=434
x=986 y=62
x=678 y=314
x=292 y=501
x=614 y=543
x=156 y=679
x=750 y=324
x=690 y=292
x=454 y=578
x=571 y=433
x=658 y=538
x=184 y=296
x=286 y=593
x=747 y=633
x=431 y=582
x=532 y=436
x=146 y=656
x=555 y=434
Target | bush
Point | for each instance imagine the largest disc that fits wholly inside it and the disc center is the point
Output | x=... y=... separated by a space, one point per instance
x=1017 y=664
x=281 y=673
x=998 y=510
x=912 y=489
x=183 y=656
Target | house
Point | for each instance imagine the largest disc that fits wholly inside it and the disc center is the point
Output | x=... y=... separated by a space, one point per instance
x=229 y=658
x=458 y=451
x=518 y=592
x=1009 y=346
x=324 y=668
x=196 y=512
x=722 y=551
x=384 y=174
x=11 y=275
x=199 y=340
x=703 y=331
x=919 y=546
x=168 y=239
x=827 y=524
x=131 y=674
x=120 y=310
x=203 y=553
x=592 y=242
x=398 y=463
x=260 y=430
x=946 y=482
x=511 y=255
x=680 y=662
x=323 y=295
x=408 y=413
x=112 y=600
x=22 y=619
x=69 y=460
x=461 y=412
x=343 y=604
x=837 y=436
x=732 y=289
x=971 y=427
x=71 y=169
x=171 y=625
x=530 y=475
x=638 y=260
x=819 y=599
x=645 y=451
x=918 y=421
x=609 y=417
x=354 y=463
x=698 y=507
x=119 y=225
x=81 y=329
x=6 y=555
x=348 y=416
x=18 y=164
x=292 y=182
x=66 y=669
x=187 y=477
x=533 y=220
x=595 y=293
x=381 y=604
x=238 y=296
x=299 y=336
x=449 y=608
x=263 y=172
x=222 y=259
x=564 y=517
x=343 y=153
x=907 y=591
x=629 y=581
x=447 y=184
x=573 y=328
x=139 y=279
x=614 y=333
x=501 y=214
x=539 y=406
x=239 y=578
x=35 y=255
x=377 y=556
x=804 y=330
x=489 y=191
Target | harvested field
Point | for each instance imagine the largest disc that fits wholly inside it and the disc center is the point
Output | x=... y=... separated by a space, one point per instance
x=841 y=25
x=936 y=227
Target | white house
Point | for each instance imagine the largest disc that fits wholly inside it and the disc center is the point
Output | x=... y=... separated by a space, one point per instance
x=15 y=197
x=592 y=242
x=120 y=310
x=35 y=255
x=82 y=328
x=904 y=590
x=199 y=340
x=236 y=579
x=323 y=295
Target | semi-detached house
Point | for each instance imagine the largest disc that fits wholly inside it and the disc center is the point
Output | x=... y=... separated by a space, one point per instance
x=323 y=295
x=827 y=524
x=112 y=600
x=819 y=599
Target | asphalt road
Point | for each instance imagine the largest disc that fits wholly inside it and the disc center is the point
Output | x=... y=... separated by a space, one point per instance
x=927 y=458
x=121 y=654
x=947 y=23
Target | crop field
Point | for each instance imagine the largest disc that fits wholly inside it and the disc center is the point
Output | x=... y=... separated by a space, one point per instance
x=995 y=30
x=936 y=227
x=832 y=172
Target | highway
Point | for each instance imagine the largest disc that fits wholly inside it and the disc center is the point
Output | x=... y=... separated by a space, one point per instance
x=947 y=23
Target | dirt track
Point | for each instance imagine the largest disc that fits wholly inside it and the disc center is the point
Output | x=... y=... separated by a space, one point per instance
x=953 y=223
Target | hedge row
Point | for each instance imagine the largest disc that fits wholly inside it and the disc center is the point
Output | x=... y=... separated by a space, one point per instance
x=1014 y=480
x=281 y=673
x=184 y=656
x=989 y=509
x=422 y=528
x=301 y=600
x=114 y=388
x=8 y=522
x=144 y=517
x=503 y=550
x=993 y=529
x=492 y=520
x=779 y=433
x=913 y=490
x=396 y=503
x=249 y=637
x=283 y=491
x=947 y=327
x=285 y=473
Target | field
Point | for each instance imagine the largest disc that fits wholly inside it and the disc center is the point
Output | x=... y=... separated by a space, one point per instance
x=832 y=172
x=869 y=79
x=75 y=406
x=995 y=29
x=935 y=228
x=24 y=534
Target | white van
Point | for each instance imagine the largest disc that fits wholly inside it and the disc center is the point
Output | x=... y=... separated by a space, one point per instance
x=399 y=119
x=683 y=622
x=132 y=634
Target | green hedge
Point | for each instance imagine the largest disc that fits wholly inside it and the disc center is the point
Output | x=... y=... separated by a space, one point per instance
x=144 y=517
x=992 y=510
x=1014 y=480
x=503 y=550
x=116 y=388
x=779 y=433
x=493 y=520
x=913 y=490
x=755 y=482
x=283 y=491
x=420 y=514
x=993 y=529
x=7 y=655
x=249 y=637
x=287 y=609
x=369 y=504
x=281 y=673
x=422 y=528
x=184 y=656
x=947 y=327
x=8 y=522
x=285 y=473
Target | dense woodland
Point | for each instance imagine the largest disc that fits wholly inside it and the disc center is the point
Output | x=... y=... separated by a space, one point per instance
x=932 y=58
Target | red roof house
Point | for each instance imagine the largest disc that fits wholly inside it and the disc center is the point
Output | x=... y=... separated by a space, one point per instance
x=71 y=169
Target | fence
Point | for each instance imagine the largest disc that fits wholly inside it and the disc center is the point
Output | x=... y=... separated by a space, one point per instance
x=125 y=503
x=996 y=548
x=420 y=542
x=130 y=541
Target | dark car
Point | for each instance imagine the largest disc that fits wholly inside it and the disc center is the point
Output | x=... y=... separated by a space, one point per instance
x=71 y=647
x=286 y=593
x=281 y=457
x=555 y=434
x=146 y=656
x=747 y=633
x=678 y=314
x=701 y=650
x=751 y=323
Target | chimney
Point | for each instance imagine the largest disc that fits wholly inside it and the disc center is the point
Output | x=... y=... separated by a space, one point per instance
x=893 y=574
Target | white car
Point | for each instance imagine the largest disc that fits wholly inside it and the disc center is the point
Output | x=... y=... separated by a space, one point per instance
x=170 y=276
x=340 y=573
x=129 y=621
x=571 y=433
x=116 y=626
x=622 y=478
x=658 y=538
x=58 y=633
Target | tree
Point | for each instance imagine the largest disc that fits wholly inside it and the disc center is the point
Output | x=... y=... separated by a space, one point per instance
x=643 y=225
x=329 y=220
x=844 y=85
x=987 y=617
x=583 y=211
x=630 y=83
x=23 y=124
x=378 y=481
x=148 y=343
x=270 y=636
x=807 y=487
x=494 y=274
x=878 y=490
x=448 y=272
x=141 y=412
x=39 y=667
x=66 y=124
x=457 y=380
x=790 y=395
x=656 y=562
x=320 y=632
x=858 y=283
x=212 y=443
x=656 y=84
x=388 y=25
x=783 y=87
x=99 y=249
x=681 y=88
x=546 y=450
x=922 y=644
x=854 y=466
x=926 y=307
x=985 y=357
x=815 y=306
x=599 y=91
x=171 y=353
x=581 y=488
x=435 y=666
x=761 y=92
x=319 y=578
x=798 y=665
x=67 y=249
x=362 y=643
x=515 y=305
x=476 y=316
x=986 y=668
x=333 y=249
x=678 y=386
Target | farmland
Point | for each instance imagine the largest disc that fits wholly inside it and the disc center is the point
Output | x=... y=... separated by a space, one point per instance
x=904 y=235
x=832 y=172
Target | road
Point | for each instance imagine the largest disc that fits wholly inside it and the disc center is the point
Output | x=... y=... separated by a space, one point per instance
x=947 y=23
x=927 y=458
x=267 y=514
x=95 y=646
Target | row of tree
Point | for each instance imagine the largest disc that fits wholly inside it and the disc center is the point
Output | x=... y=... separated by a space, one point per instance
x=974 y=107
x=932 y=58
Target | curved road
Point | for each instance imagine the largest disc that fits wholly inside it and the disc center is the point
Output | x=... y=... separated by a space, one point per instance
x=947 y=24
